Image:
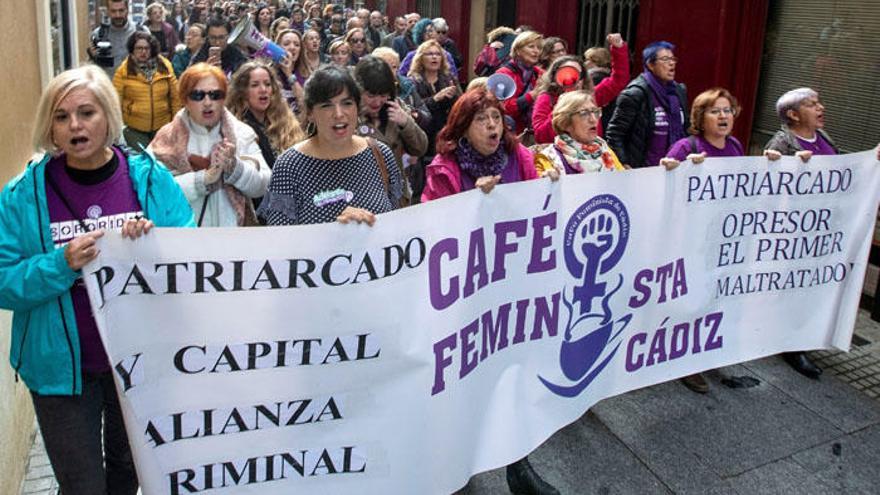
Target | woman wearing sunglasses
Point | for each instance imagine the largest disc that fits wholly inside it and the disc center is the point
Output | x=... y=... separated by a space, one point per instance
x=360 y=47
x=215 y=158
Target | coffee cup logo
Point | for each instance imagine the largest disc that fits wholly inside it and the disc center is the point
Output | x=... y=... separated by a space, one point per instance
x=595 y=239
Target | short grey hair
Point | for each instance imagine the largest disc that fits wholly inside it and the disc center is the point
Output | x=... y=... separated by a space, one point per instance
x=440 y=24
x=792 y=101
x=89 y=77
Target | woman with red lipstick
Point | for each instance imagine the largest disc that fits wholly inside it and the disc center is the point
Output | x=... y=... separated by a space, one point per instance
x=49 y=219
x=334 y=175
x=255 y=99
x=476 y=151
x=214 y=157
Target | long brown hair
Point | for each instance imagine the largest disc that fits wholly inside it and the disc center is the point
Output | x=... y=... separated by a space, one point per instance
x=283 y=130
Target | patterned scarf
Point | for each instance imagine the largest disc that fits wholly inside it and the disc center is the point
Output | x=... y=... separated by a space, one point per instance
x=478 y=165
x=592 y=157
x=148 y=68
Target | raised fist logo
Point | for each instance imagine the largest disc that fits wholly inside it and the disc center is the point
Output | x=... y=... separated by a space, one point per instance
x=595 y=238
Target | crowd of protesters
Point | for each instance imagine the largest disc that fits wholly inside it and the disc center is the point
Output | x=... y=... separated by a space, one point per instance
x=356 y=114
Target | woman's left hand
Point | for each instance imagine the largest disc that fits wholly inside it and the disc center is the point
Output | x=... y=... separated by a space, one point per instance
x=396 y=114
x=354 y=214
x=136 y=227
x=552 y=174
x=487 y=183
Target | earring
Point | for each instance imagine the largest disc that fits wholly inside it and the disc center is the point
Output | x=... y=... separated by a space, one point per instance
x=311 y=129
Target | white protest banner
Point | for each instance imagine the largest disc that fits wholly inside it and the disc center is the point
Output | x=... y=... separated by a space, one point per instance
x=454 y=337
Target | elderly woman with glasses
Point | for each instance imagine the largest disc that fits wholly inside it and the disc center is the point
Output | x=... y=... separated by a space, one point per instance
x=49 y=226
x=577 y=147
x=803 y=126
x=215 y=157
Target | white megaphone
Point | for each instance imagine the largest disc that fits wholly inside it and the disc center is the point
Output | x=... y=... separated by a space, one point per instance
x=246 y=34
x=502 y=86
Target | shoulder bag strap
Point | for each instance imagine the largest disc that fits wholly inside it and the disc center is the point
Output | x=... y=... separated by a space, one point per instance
x=380 y=160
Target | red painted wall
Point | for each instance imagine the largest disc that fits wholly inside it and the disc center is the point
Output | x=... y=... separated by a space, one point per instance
x=399 y=7
x=552 y=18
x=718 y=43
x=458 y=16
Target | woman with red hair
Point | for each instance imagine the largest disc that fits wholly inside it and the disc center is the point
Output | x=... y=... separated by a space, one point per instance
x=214 y=157
x=476 y=150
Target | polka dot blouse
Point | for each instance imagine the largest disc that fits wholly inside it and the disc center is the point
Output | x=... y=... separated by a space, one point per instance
x=304 y=189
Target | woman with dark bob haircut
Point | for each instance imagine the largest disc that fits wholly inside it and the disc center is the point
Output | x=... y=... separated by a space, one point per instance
x=383 y=116
x=333 y=175
x=476 y=150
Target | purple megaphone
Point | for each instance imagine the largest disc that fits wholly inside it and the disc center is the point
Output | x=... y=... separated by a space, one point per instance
x=246 y=34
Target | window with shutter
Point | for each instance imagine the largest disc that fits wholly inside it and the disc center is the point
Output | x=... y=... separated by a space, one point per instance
x=832 y=46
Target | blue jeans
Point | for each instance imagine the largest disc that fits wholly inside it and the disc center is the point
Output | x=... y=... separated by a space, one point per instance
x=71 y=426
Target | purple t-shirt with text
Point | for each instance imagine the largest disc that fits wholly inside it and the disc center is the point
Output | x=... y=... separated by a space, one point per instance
x=682 y=148
x=104 y=205
x=819 y=146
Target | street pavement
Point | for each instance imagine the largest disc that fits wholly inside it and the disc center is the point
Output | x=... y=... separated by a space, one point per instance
x=762 y=428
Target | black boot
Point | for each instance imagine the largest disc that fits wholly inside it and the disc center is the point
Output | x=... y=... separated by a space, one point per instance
x=802 y=364
x=523 y=480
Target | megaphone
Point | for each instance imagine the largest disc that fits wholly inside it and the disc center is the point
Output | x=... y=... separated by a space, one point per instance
x=247 y=35
x=567 y=76
x=501 y=85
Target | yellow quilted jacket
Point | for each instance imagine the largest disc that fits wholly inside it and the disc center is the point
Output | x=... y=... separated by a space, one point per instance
x=147 y=105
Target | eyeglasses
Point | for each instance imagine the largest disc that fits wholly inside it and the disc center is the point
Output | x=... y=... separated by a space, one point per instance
x=433 y=54
x=142 y=48
x=721 y=111
x=596 y=114
x=667 y=59
x=484 y=119
x=358 y=40
x=199 y=95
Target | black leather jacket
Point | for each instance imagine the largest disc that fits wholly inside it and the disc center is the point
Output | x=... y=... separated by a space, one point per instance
x=632 y=125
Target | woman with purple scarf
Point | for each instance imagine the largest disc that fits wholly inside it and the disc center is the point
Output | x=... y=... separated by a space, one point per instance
x=651 y=113
x=475 y=150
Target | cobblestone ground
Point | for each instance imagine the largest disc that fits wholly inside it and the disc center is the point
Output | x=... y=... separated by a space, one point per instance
x=860 y=368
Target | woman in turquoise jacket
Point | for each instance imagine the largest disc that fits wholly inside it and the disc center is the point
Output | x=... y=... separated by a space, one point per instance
x=51 y=216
